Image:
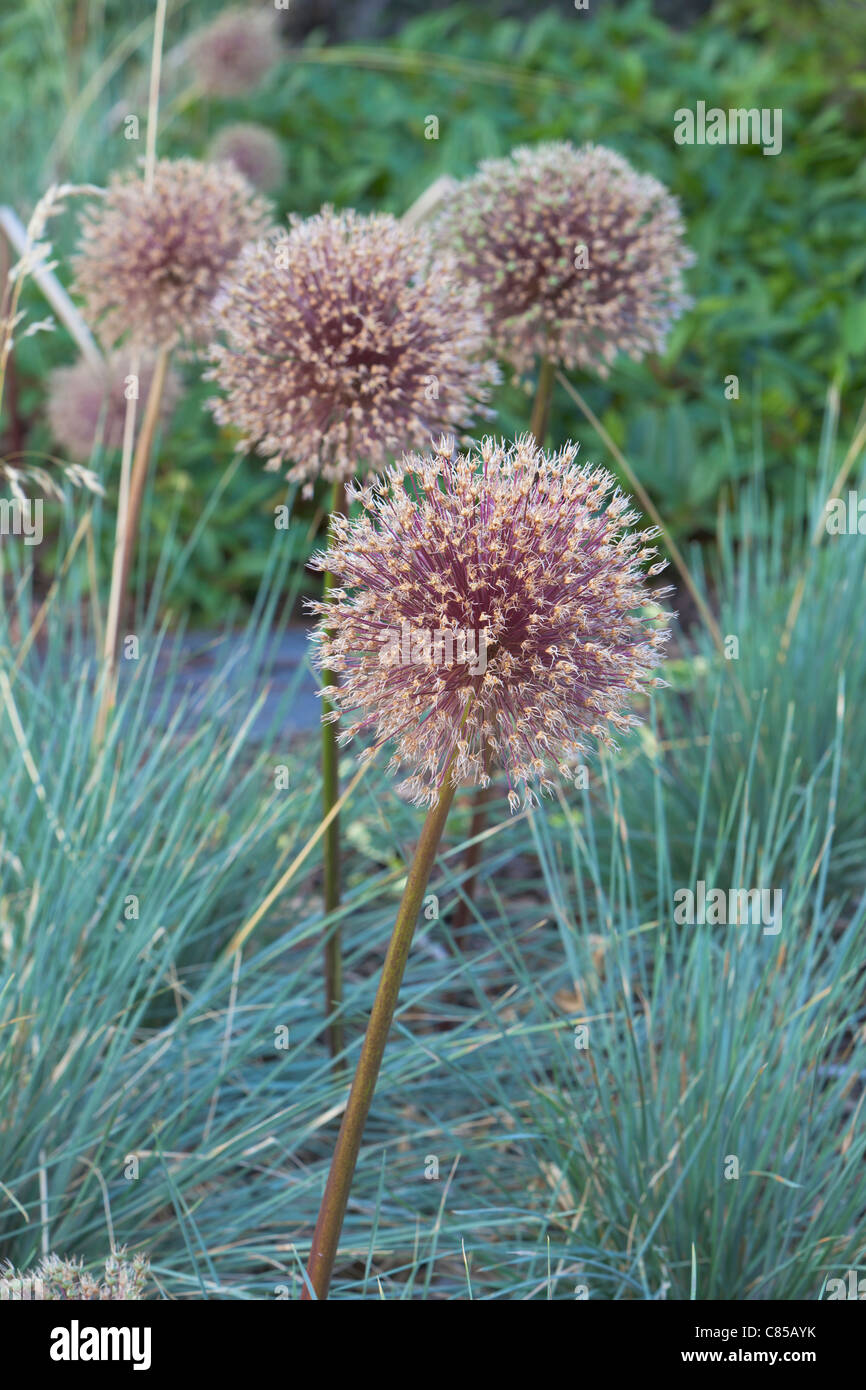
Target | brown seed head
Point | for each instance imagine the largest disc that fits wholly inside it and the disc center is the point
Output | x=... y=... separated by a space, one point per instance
x=523 y=546
x=579 y=257
x=345 y=343
x=150 y=261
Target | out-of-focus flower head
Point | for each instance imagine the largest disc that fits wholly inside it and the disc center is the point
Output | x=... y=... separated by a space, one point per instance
x=252 y=150
x=232 y=55
x=151 y=259
x=87 y=403
x=578 y=256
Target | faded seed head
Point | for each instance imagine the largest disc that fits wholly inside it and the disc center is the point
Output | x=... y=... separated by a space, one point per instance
x=252 y=150
x=233 y=54
x=84 y=395
x=579 y=257
x=530 y=549
x=151 y=260
x=345 y=343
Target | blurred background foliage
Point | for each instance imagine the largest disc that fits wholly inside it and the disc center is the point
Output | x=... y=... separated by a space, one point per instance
x=779 y=282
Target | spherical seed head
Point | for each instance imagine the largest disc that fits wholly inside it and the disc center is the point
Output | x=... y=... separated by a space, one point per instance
x=232 y=55
x=252 y=150
x=151 y=260
x=346 y=343
x=580 y=257
x=522 y=546
x=85 y=395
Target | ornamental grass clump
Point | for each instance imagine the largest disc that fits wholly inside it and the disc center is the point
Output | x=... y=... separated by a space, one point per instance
x=527 y=555
x=345 y=342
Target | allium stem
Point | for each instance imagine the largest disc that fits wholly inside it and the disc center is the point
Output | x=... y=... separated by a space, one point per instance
x=129 y=510
x=543 y=396
x=333 y=1209
x=331 y=840
x=140 y=467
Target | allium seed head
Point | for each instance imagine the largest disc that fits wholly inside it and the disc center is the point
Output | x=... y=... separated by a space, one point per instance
x=150 y=261
x=79 y=395
x=231 y=56
x=252 y=150
x=579 y=256
x=530 y=550
x=345 y=342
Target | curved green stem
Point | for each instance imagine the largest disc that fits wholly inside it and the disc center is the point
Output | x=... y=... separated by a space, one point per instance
x=333 y=1209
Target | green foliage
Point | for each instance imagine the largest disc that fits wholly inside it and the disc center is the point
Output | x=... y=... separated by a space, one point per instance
x=779 y=285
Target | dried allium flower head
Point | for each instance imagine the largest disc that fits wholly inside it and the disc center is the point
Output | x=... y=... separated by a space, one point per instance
x=231 y=56
x=252 y=150
x=150 y=261
x=346 y=342
x=580 y=257
x=84 y=396
x=493 y=615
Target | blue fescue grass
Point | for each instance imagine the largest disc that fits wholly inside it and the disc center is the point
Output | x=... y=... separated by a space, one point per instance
x=562 y=1170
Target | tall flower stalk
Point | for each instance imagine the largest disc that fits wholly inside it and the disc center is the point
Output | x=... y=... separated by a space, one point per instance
x=326 y=1237
x=343 y=342
x=151 y=259
x=531 y=551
